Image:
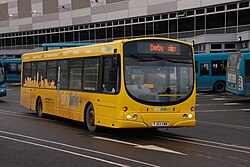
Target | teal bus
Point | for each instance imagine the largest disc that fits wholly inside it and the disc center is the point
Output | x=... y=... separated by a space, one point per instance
x=12 y=68
x=3 y=89
x=238 y=73
x=54 y=46
x=211 y=71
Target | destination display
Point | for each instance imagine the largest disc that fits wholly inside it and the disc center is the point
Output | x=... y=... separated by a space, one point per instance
x=157 y=47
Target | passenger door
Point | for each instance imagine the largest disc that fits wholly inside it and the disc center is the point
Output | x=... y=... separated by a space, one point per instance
x=109 y=89
x=204 y=76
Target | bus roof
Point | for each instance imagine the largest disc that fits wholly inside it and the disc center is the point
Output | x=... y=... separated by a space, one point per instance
x=65 y=44
x=87 y=50
x=10 y=60
x=209 y=56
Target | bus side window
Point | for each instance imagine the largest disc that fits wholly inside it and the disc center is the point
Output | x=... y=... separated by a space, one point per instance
x=219 y=67
x=247 y=70
x=109 y=79
x=11 y=68
x=204 y=69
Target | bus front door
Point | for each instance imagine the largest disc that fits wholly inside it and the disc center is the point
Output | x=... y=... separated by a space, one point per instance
x=106 y=109
x=204 y=77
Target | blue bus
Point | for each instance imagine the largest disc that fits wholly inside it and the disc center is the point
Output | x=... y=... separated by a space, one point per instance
x=54 y=46
x=3 y=89
x=211 y=71
x=238 y=73
x=12 y=68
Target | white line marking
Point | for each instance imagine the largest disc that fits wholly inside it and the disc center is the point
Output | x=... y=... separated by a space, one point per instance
x=149 y=147
x=220 y=145
x=226 y=125
x=65 y=151
x=245 y=109
x=156 y=148
x=218 y=99
x=79 y=148
x=224 y=110
x=231 y=104
x=114 y=140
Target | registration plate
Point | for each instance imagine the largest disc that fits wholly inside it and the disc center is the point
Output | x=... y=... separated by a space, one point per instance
x=160 y=124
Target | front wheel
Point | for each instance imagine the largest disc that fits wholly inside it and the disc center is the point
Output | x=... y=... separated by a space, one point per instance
x=219 y=87
x=90 y=118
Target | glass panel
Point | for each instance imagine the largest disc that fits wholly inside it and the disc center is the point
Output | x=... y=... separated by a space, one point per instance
x=219 y=68
x=160 y=27
x=91 y=74
x=204 y=69
x=118 y=31
x=138 y=29
x=75 y=78
x=26 y=72
x=215 y=20
x=186 y=24
x=64 y=73
x=33 y=72
x=158 y=72
x=41 y=71
x=243 y=19
x=109 y=80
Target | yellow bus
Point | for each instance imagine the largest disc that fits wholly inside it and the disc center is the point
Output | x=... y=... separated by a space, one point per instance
x=129 y=83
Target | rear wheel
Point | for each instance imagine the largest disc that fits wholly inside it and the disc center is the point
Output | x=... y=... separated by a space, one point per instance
x=90 y=118
x=39 y=108
x=219 y=87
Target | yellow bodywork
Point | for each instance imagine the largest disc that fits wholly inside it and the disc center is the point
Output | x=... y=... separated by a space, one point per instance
x=109 y=108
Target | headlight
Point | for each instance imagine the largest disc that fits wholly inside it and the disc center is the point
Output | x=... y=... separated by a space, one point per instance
x=128 y=116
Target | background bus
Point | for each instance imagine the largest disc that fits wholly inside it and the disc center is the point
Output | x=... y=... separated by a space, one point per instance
x=238 y=73
x=12 y=67
x=136 y=83
x=211 y=71
x=3 y=89
x=55 y=46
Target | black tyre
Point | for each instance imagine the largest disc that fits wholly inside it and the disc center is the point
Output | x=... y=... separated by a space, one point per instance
x=90 y=119
x=39 y=108
x=219 y=87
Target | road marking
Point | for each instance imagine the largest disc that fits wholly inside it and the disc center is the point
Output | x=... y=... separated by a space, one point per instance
x=231 y=104
x=207 y=143
x=156 y=148
x=223 y=110
x=218 y=99
x=64 y=151
x=79 y=148
x=226 y=125
x=225 y=104
x=148 y=147
x=245 y=109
